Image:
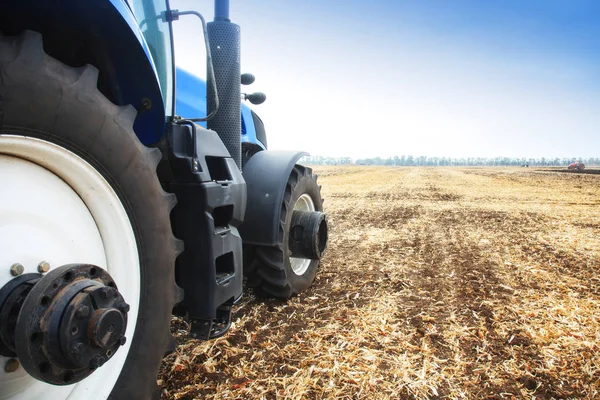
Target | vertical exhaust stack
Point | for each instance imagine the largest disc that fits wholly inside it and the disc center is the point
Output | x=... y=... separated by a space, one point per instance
x=224 y=38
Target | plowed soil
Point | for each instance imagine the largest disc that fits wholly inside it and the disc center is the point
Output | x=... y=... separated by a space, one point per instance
x=437 y=283
x=576 y=171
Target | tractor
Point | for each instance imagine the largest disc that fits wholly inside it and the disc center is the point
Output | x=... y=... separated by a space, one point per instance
x=133 y=190
x=577 y=166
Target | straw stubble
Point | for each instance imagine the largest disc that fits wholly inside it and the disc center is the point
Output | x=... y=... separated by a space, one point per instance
x=455 y=282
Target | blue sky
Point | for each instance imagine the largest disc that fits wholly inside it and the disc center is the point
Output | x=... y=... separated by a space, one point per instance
x=437 y=78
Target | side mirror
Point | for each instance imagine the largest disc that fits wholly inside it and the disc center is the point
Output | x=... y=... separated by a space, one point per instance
x=247 y=79
x=256 y=97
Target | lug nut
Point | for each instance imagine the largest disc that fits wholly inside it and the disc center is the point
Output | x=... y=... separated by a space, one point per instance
x=124 y=307
x=122 y=340
x=97 y=362
x=11 y=365
x=101 y=361
x=83 y=311
x=43 y=267
x=16 y=269
x=106 y=292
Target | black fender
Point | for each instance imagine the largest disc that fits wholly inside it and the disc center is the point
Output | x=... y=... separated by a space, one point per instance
x=266 y=175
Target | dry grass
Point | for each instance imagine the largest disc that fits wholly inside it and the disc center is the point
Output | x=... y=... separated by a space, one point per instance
x=438 y=283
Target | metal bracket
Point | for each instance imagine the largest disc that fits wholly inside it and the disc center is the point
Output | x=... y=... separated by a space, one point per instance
x=213 y=328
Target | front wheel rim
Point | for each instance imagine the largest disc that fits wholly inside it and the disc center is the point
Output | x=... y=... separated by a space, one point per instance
x=300 y=265
x=51 y=189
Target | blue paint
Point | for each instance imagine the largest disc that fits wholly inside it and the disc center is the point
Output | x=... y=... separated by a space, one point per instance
x=248 y=130
x=129 y=18
x=114 y=44
x=191 y=103
x=134 y=69
x=191 y=95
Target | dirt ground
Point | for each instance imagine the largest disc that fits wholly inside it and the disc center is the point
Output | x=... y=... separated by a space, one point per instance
x=438 y=283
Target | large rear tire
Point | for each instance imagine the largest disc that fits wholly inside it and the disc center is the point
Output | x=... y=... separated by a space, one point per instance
x=270 y=269
x=56 y=107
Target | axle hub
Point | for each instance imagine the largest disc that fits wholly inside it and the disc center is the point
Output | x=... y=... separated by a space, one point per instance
x=12 y=296
x=64 y=325
x=308 y=234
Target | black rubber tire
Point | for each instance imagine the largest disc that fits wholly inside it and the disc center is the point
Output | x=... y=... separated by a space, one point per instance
x=43 y=98
x=268 y=269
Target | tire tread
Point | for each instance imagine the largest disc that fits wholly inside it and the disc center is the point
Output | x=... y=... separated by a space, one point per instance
x=266 y=270
x=23 y=62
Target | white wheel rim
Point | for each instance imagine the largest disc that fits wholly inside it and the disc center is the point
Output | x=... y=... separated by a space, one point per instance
x=300 y=265
x=57 y=208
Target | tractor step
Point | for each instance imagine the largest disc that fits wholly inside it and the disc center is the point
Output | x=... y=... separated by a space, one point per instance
x=224 y=278
x=213 y=328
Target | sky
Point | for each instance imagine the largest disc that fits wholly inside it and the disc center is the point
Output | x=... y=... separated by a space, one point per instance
x=460 y=78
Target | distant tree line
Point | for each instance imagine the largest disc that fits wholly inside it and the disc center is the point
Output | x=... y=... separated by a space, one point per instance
x=444 y=161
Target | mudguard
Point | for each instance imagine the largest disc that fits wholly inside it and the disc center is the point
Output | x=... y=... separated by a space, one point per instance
x=103 y=33
x=266 y=175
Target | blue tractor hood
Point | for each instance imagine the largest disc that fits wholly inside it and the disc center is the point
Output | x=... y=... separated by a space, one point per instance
x=190 y=102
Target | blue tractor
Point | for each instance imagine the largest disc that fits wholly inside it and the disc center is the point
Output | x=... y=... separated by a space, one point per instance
x=132 y=190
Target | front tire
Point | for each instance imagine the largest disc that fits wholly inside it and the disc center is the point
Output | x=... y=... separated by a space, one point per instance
x=58 y=108
x=270 y=269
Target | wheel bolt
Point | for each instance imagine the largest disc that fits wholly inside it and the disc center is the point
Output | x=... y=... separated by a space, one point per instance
x=83 y=311
x=122 y=340
x=97 y=362
x=105 y=292
x=146 y=103
x=43 y=267
x=124 y=307
x=11 y=365
x=16 y=269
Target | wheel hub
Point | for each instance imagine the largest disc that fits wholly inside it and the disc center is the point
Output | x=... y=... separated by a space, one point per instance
x=60 y=210
x=308 y=234
x=64 y=325
x=12 y=296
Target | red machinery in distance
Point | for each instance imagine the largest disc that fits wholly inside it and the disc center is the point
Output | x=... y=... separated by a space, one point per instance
x=578 y=165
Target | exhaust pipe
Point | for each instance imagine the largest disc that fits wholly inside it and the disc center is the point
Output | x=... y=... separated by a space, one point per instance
x=224 y=39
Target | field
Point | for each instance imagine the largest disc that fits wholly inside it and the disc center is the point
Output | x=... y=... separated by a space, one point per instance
x=437 y=283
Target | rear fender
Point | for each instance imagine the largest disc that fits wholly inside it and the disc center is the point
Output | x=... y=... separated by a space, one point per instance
x=105 y=34
x=266 y=175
